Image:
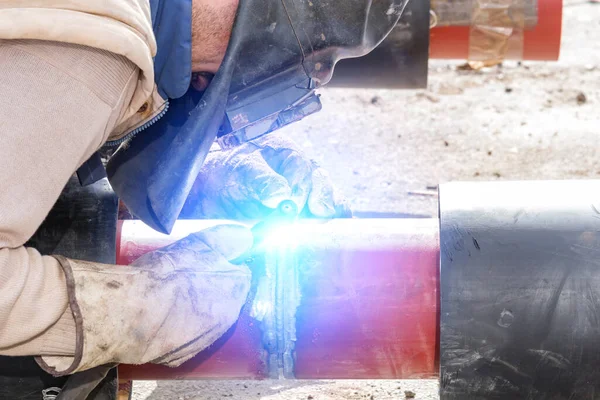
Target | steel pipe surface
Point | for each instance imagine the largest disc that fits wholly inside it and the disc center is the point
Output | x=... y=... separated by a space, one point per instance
x=349 y=299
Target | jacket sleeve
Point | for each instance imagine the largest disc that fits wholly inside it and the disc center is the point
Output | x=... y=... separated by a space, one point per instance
x=58 y=104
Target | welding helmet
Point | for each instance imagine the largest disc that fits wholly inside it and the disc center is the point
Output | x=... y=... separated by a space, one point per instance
x=280 y=51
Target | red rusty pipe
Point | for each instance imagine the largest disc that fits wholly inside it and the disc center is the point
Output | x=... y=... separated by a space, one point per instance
x=369 y=305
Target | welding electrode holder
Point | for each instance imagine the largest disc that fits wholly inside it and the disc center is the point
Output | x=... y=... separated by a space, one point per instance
x=285 y=213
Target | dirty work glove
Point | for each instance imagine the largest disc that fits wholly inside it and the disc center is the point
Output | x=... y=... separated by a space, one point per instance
x=249 y=181
x=166 y=307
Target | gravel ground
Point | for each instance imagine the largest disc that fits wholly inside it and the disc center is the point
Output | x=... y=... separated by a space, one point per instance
x=287 y=390
x=520 y=121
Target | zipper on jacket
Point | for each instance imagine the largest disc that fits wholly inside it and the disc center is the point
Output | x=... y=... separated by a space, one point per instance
x=130 y=135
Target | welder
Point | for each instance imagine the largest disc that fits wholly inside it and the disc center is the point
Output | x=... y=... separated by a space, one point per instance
x=156 y=79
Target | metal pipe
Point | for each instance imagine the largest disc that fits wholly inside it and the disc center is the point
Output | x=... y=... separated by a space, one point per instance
x=351 y=299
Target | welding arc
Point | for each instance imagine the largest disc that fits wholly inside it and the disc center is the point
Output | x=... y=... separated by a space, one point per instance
x=285 y=213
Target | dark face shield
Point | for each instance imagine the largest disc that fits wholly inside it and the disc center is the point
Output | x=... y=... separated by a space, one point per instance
x=280 y=51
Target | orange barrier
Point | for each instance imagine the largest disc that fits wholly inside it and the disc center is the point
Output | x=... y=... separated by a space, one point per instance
x=541 y=42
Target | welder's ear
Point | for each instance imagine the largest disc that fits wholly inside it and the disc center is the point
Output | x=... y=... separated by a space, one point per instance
x=201 y=80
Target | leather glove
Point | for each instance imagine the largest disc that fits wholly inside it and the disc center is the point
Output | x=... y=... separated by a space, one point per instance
x=165 y=308
x=249 y=181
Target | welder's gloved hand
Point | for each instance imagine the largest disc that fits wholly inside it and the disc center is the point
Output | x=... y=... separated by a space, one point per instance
x=166 y=307
x=249 y=181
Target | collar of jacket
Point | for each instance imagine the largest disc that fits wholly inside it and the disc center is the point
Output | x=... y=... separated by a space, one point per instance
x=172 y=25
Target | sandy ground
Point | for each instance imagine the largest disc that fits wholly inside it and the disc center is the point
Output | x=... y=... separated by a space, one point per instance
x=529 y=121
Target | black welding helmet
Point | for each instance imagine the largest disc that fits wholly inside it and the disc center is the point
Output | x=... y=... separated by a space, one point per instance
x=280 y=51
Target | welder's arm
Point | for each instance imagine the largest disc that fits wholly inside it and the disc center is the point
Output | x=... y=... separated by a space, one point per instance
x=51 y=121
x=57 y=105
x=249 y=181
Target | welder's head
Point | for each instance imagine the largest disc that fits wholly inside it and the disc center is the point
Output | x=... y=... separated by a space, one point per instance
x=279 y=52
